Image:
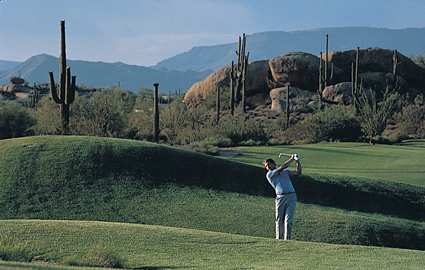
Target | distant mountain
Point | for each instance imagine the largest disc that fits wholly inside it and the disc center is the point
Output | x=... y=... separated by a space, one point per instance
x=6 y=65
x=265 y=45
x=101 y=74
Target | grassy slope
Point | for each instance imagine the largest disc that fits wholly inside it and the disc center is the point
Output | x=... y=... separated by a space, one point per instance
x=36 y=182
x=399 y=163
x=143 y=246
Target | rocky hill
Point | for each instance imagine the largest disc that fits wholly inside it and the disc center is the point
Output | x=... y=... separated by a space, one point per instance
x=266 y=45
x=267 y=80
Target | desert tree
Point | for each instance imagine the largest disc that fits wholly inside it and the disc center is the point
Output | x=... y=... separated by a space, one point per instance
x=374 y=114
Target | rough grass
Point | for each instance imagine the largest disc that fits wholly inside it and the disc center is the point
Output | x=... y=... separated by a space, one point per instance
x=156 y=247
x=119 y=180
x=401 y=163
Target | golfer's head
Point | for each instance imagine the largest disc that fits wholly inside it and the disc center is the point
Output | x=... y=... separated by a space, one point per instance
x=269 y=164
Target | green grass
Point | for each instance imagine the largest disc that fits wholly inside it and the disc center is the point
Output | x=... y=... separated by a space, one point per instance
x=398 y=163
x=157 y=247
x=87 y=178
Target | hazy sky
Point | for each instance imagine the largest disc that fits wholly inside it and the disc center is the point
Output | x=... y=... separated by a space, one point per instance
x=144 y=32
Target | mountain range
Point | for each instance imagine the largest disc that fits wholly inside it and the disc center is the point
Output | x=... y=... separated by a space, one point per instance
x=101 y=74
x=182 y=70
x=265 y=45
x=7 y=65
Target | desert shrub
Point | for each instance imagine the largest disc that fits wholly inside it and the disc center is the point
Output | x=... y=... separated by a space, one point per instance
x=12 y=251
x=47 y=115
x=374 y=114
x=97 y=257
x=410 y=119
x=336 y=123
x=173 y=119
x=238 y=128
x=140 y=118
x=104 y=114
x=210 y=101
x=15 y=121
x=218 y=141
x=203 y=147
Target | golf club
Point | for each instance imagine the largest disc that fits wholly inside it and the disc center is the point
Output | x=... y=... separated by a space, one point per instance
x=296 y=157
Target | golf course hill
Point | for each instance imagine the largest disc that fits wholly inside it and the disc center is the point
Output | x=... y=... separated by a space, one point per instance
x=115 y=180
x=138 y=246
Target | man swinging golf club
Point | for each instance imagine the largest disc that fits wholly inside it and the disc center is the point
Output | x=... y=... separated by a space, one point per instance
x=286 y=198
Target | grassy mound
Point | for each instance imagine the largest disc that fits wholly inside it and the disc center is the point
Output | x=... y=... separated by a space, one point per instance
x=156 y=247
x=119 y=180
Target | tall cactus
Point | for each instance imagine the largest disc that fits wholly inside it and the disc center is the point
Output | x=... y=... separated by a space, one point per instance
x=218 y=105
x=327 y=61
x=320 y=86
x=355 y=79
x=156 y=113
x=287 y=105
x=232 y=89
x=244 y=74
x=66 y=94
x=239 y=76
x=396 y=62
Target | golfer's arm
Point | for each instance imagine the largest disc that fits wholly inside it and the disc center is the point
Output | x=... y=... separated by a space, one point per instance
x=299 y=168
x=284 y=165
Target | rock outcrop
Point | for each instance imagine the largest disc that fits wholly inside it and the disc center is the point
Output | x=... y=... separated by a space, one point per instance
x=300 y=70
x=258 y=73
x=298 y=99
x=339 y=93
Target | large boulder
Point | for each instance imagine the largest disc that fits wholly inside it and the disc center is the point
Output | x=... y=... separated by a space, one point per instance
x=200 y=90
x=379 y=60
x=298 y=69
x=339 y=93
x=298 y=99
x=256 y=88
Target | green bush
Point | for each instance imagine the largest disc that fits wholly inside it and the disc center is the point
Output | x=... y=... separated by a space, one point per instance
x=103 y=114
x=97 y=257
x=337 y=123
x=410 y=120
x=15 y=120
x=203 y=147
x=218 y=141
x=238 y=129
x=11 y=251
x=48 y=121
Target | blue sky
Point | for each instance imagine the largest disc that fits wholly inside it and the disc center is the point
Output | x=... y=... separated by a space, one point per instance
x=144 y=32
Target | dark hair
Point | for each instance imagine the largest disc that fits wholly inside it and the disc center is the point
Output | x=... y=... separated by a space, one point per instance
x=269 y=160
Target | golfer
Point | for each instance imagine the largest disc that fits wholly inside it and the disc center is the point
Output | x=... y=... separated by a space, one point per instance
x=286 y=199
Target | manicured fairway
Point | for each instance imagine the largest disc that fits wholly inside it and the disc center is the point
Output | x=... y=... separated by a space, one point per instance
x=89 y=178
x=142 y=246
x=400 y=163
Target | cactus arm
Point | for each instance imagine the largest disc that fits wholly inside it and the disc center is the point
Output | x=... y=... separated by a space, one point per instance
x=69 y=89
x=74 y=88
x=53 y=90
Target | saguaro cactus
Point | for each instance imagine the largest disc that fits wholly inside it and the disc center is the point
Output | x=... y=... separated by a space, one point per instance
x=66 y=94
x=232 y=90
x=218 y=105
x=320 y=88
x=355 y=79
x=327 y=61
x=287 y=105
x=240 y=74
x=156 y=113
